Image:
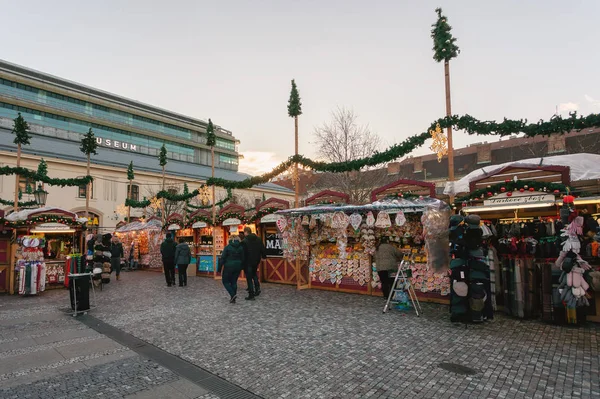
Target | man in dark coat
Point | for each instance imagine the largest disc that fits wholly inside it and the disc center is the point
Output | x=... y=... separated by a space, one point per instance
x=230 y=266
x=254 y=251
x=167 y=250
x=183 y=257
x=116 y=253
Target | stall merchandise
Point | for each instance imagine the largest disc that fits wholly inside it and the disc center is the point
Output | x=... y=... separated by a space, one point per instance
x=339 y=240
x=147 y=235
x=30 y=265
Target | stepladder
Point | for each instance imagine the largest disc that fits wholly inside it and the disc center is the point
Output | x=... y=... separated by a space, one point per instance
x=402 y=284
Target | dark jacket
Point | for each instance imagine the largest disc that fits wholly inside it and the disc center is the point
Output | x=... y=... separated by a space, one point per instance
x=183 y=255
x=232 y=257
x=254 y=250
x=167 y=250
x=387 y=257
x=116 y=250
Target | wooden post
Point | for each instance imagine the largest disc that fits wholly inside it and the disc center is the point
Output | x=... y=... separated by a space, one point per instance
x=449 y=113
x=11 y=279
x=162 y=200
x=297 y=197
x=129 y=208
x=214 y=214
x=87 y=207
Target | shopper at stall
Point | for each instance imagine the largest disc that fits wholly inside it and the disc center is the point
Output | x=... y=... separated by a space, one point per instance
x=230 y=266
x=167 y=250
x=387 y=257
x=116 y=253
x=254 y=251
x=183 y=257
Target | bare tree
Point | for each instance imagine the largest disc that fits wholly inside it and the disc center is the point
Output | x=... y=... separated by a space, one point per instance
x=170 y=206
x=342 y=139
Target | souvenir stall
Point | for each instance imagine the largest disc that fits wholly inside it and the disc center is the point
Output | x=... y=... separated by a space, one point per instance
x=176 y=225
x=202 y=249
x=406 y=233
x=47 y=240
x=230 y=221
x=339 y=240
x=276 y=268
x=144 y=237
x=5 y=255
x=526 y=211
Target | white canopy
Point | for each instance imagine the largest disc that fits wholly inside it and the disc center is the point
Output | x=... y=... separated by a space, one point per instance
x=26 y=214
x=582 y=167
x=152 y=224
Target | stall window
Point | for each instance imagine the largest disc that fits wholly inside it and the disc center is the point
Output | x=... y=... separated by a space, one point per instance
x=82 y=189
x=135 y=192
x=24 y=182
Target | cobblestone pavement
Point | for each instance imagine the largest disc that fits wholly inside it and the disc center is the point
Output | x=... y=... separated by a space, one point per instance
x=318 y=344
x=46 y=353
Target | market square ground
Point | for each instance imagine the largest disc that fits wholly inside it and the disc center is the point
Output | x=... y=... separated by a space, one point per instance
x=286 y=344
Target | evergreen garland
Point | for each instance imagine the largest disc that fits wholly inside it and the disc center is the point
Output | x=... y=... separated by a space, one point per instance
x=88 y=144
x=178 y=197
x=162 y=156
x=42 y=170
x=444 y=44
x=510 y=186
x=263 y=212
x=230 y=215
x=137 y=204
x=79 y=181
x=219 y=203
x=40 y=219
x=25 y=204
x=211 y=138
x=294 y=103
x=199 y=218
x=20 y=128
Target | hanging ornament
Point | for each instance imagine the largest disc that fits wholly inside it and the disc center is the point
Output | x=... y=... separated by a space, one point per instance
x=370 y=219
x=521 y=189
x=531 y=189
x=509 y=194
x=526 y=187
x=507 y=181
x=464 y=204
x=489 y=194
x=281 y=224
x=401 y=219
x=340 y=220
x=355 y=221
x=556 y=192
x=502 y=189
x=383 y=220
x=305 y=221
x=440 y=142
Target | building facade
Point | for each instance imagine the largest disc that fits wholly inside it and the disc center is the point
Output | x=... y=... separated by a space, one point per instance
x=60 y=112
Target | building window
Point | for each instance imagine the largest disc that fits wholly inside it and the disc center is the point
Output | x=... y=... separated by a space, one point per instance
x=82 y=189
x=25 y=182
x=135 y=192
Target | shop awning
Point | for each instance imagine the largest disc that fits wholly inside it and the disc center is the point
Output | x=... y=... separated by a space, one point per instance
x=492 y=208
x=404 y=205
x=137 y=226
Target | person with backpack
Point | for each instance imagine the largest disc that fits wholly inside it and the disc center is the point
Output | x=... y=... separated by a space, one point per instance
x=254 y=251
x=167 y=250
x=230 y=266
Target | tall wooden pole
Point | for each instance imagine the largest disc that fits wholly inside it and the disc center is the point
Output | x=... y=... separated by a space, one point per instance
x=129 y=208
x=214 y=214
x=17 y=177
x=87 y=206
x=449 y=113
x=297 y=197
x=11 y=279
x=162 y=200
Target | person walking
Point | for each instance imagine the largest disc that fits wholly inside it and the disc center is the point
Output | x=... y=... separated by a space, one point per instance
x=254 y=251
x=230 y=266
x=387 y=257
x=167 y=250
x=116 y=253
x=183 y=257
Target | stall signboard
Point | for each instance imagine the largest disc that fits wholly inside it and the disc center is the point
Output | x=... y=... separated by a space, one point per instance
x=53 y=227
x=174 y=227
x=272 y=218
x=199 y=225
x=273 y=244
x=232 y=222
x=519 y=198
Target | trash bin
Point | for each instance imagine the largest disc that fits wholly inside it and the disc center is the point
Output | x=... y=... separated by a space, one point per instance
x=79 y=291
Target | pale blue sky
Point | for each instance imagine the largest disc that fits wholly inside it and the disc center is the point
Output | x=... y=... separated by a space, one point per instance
x=233 y=61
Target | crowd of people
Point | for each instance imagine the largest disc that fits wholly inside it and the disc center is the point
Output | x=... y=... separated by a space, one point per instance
x=243 y=252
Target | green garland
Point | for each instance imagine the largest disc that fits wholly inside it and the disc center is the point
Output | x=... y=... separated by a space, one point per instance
x=137 y=204
x=263 y=212
x=40 y=219
x=510 y=186
x=199 y=218
x=557 y=124
x=176 y=221
x=79 y=181
x=220 y=203
x=24 y=204
x=177 y=197
x=407 y=195
x=229 y=215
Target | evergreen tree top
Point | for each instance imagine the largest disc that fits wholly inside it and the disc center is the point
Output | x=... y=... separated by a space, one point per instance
x=211 y=138
x=294 y=103
x=88 y=143
x=444 y=44
x=186 y=190
x=162 y=157
x=42 y=169
x=20 y=128
x=130 y=174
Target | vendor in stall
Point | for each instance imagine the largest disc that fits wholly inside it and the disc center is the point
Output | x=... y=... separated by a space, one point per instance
x=387 y=258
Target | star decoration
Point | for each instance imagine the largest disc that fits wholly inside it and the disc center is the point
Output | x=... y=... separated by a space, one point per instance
x=440 y=143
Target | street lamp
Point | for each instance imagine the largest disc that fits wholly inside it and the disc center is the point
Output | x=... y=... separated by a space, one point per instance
x=40 y=196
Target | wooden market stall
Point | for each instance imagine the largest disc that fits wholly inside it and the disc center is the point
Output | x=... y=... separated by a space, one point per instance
x=144 y=238
x=276 y=268
x=48 y=241
x=521 y=205
x=5 y=255
x=200 y=221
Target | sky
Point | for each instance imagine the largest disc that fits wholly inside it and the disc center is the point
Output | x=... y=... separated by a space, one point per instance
x=233 y=60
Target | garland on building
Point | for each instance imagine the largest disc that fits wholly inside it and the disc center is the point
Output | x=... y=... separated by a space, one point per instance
x=178 y=197
x=510 y=186
x=137 y=204
x=40 y=219
x=557 y=124
x=79 y=181
x=24 y=204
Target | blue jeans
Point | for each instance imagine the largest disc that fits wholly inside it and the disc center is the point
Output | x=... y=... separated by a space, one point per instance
x=230 y=278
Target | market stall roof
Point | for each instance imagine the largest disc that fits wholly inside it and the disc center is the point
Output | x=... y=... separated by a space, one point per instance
x=152 y=224
x=26 y=214
x=582 y=167
x=405 y=205
x=404 y=186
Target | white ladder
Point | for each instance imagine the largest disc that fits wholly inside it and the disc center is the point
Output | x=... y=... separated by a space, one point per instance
x=404 y=281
